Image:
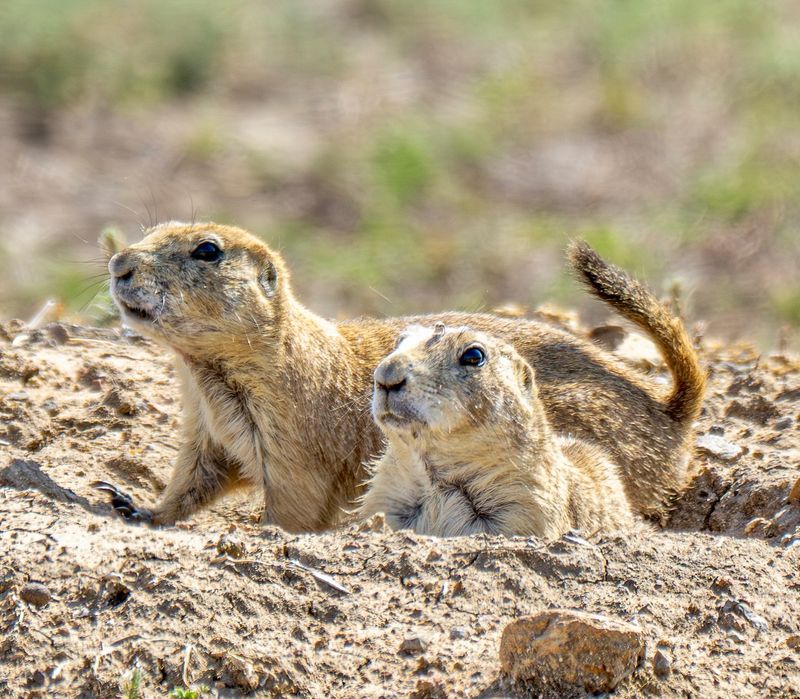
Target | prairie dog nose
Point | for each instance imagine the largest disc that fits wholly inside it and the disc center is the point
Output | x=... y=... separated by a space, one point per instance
x=121 y=266
x=391 y=374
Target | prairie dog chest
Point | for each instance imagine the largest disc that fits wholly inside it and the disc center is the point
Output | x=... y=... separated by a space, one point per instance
x=257 y=430
x=416 y=498
x=231 y=415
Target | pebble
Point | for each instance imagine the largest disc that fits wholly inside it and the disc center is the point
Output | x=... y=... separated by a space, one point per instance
x=427 y=689
x=37 y=679
x=568 y=649
x=36 y=594
x=794 y=493
x=58 y=333
x=457 y=633
x=231 y=545
x=412 y=645
x=662 y=665
x=120 y=401
x=50 y=407
x=719 y=447
x=7 y=576
x=735 y=608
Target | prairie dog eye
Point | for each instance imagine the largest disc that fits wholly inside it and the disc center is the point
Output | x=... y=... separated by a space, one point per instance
x=473 y=356
x=207 y=252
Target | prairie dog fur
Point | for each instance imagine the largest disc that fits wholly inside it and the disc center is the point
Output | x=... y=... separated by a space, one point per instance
x=469 y=448
x=277 y=397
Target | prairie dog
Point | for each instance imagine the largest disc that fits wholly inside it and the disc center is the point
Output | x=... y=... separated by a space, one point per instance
x=277 y=397
x=469 y=448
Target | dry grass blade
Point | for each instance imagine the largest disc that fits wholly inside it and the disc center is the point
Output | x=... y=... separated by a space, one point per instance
x=319 y=575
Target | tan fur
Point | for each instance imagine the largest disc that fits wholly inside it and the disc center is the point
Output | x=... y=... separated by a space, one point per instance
x=278 y=397
x=469 y=448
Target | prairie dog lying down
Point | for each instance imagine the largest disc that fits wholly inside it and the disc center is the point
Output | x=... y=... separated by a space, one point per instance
x=469 y=447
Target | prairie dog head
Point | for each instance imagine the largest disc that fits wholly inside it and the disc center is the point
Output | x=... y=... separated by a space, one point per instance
x=193 y=285
x=441 y=381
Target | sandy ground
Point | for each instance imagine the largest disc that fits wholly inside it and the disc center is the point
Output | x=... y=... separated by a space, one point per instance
x=364 y=611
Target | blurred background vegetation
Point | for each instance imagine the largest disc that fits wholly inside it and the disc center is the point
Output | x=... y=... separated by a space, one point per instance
x=413 y=156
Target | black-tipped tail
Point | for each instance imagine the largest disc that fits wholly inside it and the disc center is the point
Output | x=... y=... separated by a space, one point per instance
x=636 y=302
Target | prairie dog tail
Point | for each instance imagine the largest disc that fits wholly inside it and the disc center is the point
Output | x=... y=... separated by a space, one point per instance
x=636 y=302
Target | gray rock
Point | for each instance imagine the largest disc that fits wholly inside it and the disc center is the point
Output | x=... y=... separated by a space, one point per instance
x=662 y=665
x=413 y=645
x=733 y=608
x=458 y=632
x=719 y=447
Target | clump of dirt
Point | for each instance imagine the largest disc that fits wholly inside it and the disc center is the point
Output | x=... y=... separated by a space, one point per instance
x=86 y=599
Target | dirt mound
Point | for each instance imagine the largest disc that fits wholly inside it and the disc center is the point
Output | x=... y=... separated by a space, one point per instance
x=86 y=599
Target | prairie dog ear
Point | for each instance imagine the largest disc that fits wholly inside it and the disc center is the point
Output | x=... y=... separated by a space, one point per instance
x=525 y=377
x=268 y=278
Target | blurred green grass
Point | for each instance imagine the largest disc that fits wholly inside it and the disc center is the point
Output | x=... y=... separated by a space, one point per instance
x=462 y=186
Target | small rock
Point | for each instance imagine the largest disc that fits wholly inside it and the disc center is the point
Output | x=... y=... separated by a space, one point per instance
x=423 y=666
x=412 y=645
x=426 y=689
x=794 y=493
x=50 y=407
x=734 y=608
x=7 y=576
x=21 y=396
x=375 y=523
x=37 y=679
x=36 y=594
x=719 y=447
x=784 y=423
x=58 y=333
x=563 y=648
x=230 y=545
x=662 y=665
x=433 y=555
x=458 y=632
x=793 y=642
x=120 y=401
x=760 y=527
x=721 y=585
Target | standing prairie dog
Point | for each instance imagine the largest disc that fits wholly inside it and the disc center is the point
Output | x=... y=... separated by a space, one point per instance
x=278 y=398
x=470 y=450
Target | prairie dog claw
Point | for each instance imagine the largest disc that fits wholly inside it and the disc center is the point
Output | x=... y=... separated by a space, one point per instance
x=123 y=503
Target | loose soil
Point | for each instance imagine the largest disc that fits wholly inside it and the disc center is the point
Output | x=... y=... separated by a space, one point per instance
x=365 y=612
